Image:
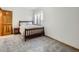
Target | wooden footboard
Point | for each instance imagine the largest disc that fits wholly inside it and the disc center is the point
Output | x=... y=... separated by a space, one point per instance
x=34 y=32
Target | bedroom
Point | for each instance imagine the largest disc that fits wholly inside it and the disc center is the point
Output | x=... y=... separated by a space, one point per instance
x=52 y=25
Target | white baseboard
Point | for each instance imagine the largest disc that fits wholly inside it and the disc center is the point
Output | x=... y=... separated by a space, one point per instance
x=64 y=41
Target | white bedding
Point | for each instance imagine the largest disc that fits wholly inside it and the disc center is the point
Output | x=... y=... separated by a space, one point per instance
x=23 y=27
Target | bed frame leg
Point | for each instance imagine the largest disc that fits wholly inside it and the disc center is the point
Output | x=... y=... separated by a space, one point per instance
x=43 y=32
x=24 y=38
x=25 y=35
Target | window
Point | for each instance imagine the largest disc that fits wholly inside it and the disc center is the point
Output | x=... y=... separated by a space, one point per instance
x=38 y=17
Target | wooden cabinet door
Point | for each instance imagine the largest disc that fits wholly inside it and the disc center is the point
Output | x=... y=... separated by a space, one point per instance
x=7 y=22
x=7 y=29
x=9 y=17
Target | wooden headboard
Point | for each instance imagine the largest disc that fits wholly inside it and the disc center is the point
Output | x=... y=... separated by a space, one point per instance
x=25 y=22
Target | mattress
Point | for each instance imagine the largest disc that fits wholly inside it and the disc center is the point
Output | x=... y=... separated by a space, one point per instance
x=23 y=27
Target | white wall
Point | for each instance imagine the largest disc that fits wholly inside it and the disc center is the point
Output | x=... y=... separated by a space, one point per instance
x=62 y=24
x=20 y=13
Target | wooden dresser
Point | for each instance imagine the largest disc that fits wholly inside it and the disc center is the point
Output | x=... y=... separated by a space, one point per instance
x=5 y=22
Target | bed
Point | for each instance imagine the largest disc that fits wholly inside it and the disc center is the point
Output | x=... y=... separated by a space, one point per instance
x=30 y=30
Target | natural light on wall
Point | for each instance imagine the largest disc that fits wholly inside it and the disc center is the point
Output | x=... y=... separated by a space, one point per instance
x=38 y=17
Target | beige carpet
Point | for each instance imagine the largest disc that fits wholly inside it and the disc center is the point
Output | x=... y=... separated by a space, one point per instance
x=16 y=43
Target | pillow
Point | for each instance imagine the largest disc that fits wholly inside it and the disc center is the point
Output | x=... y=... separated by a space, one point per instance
x=26 y=23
